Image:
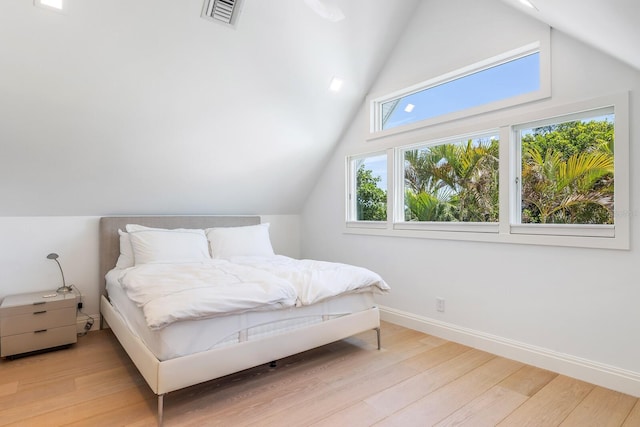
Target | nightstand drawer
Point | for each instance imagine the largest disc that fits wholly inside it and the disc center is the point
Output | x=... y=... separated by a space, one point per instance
x=40 y=317
x=14 y=305
x=23 y=343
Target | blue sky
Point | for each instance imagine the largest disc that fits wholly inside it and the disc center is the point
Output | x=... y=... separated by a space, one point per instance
x=506 y=80
x=378 y=166
x=503 y=81
x=510 y=79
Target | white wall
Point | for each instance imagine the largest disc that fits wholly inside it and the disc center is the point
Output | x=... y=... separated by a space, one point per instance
x=142 y=106
x=567 y=309
x=26 y=241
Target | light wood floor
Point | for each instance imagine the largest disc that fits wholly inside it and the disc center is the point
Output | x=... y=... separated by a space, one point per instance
x=415 y=380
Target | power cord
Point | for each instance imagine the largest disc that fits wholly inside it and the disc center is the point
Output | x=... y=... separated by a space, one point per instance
x=90 y=320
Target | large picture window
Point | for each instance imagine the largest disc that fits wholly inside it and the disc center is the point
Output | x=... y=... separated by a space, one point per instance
x=558 y=176
x=455 y=180
x=567 y=170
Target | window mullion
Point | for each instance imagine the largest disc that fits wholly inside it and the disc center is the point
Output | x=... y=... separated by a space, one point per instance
x=505 y=180
x=516 y=177
x=395 y=176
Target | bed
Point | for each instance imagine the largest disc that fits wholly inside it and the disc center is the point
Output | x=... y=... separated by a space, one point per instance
x=194 y=350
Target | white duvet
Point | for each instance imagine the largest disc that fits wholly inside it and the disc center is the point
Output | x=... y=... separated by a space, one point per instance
x=317 y=280
x=172 y=292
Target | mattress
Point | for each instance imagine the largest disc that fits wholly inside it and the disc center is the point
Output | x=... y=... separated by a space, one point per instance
x=192 y=336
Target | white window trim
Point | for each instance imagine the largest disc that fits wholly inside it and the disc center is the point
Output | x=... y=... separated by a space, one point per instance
x=590 y=230
x=469 y=227
x=351 y=197
x=367 y=225
x=517 y=227
x=542 y=46
x=506 y=231
x=399 y=221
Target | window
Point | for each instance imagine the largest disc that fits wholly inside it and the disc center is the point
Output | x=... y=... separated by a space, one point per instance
x=556 y=176
x=368 y=188
x=512 y=78
x=455 y=180
x=566 y=171
x=506 y=80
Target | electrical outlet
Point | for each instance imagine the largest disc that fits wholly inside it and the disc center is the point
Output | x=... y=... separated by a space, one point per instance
x=440 y=304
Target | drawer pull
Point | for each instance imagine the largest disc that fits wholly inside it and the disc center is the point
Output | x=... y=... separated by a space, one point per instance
x=40 y=312
x=39 y=302
x=39 y=331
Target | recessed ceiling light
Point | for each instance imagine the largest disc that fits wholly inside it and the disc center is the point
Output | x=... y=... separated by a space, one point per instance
x=336 y=84
x=528 y=4
x=328 y=11
x=409 y=108
x=50 y=4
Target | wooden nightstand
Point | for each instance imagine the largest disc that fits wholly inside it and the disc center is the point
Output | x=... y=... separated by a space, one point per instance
x=30 y=322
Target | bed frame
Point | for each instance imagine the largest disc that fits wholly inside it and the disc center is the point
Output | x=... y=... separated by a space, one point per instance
x=174 y=374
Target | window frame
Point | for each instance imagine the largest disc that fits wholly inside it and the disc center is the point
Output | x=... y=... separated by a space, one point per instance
x=542 y=47
x=517 y=227
x=616 y=236
x=399 y=222
x=351 y=190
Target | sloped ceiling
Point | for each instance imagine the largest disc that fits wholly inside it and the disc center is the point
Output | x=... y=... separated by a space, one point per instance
x=141 y=106
x=611 y=25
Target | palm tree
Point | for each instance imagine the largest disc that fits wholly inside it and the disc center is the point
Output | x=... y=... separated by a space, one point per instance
x=425 y=206
x=578 y=190
x=452 y=182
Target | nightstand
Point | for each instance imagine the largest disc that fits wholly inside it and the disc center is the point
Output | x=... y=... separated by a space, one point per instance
x=30 y=322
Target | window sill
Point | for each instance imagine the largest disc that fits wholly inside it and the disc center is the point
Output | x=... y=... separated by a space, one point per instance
x=367 y=224
x=607 y=231
x=600 y=236
x=473 y=227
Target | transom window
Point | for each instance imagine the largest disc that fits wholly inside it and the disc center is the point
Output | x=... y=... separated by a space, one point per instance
x=506 y=80
x=512 y=78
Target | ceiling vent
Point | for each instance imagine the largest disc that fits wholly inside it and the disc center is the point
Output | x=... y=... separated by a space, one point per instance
x=223 y=11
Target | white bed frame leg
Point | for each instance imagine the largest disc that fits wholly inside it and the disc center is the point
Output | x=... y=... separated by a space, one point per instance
x=160 y=409
x=378 y=334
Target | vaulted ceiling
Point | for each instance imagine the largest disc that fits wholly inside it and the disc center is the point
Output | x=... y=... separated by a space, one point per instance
x=142 y=106
x=611 y=25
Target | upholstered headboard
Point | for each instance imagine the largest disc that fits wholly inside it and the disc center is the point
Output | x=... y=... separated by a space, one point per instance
x=109 y=248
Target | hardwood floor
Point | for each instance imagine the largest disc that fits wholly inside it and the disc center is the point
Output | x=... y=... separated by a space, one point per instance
x=415 y=380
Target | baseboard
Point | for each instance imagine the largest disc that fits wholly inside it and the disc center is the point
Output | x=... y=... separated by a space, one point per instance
x=586 y=370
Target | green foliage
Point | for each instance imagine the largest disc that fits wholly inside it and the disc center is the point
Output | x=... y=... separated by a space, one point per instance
x=567 y=177
x=428 y=207
x=567 y=174
x=571 y=138
x=452 y=182
x=371 y=200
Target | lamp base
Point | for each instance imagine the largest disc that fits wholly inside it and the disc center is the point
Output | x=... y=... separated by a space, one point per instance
x=64 y=289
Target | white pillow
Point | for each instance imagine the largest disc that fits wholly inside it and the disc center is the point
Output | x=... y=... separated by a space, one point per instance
x=162 y=245
x=125 y=260
x=251 y=240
